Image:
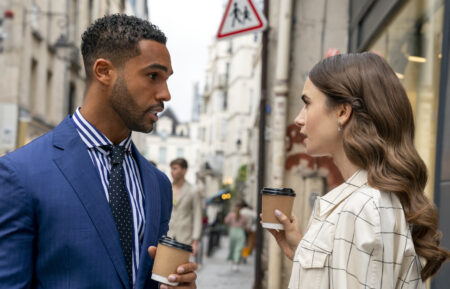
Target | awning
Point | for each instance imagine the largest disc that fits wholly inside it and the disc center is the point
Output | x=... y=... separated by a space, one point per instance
x=217 y=197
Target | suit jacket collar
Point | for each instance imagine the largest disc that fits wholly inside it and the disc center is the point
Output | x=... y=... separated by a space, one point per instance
x=73 y=160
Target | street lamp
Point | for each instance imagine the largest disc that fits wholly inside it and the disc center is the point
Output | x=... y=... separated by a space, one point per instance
x=66 y=50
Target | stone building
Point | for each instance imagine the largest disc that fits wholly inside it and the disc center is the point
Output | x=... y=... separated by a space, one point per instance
x=413 y=37
x=170 y=139
x=42 y=72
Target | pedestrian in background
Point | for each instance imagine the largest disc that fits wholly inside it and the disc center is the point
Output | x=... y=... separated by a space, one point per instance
x=186 y=221
x=80 y=206
x=376 y=229
x=250 y=230
x=237 y=224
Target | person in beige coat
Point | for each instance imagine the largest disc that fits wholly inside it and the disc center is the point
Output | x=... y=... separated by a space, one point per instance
x=186 y=222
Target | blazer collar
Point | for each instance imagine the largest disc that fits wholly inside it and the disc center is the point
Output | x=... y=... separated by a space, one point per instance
x=74 y=162
x=184 y=190
x=336 y=196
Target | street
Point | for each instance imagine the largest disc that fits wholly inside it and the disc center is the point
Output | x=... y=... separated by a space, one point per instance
x=216 y=271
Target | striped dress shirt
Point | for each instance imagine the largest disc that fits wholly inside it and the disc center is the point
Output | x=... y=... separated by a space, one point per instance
x=94 y=141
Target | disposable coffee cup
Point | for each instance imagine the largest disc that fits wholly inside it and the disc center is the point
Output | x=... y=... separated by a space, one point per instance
x=169 y=255
x=276 y=199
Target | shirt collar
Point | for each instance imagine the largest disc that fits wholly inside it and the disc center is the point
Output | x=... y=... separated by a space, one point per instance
x=92 y=137
x=336 y=196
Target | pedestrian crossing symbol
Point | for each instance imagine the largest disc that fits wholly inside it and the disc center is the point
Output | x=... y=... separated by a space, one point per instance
x=240 y=17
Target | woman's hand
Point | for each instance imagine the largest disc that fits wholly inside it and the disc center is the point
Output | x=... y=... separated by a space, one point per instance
x=186 y=274
x=289 y=238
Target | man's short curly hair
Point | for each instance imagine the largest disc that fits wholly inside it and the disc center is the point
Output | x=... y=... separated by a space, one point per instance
x=115 y=38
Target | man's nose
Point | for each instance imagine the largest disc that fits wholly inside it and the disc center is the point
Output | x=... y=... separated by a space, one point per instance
x=164 y=94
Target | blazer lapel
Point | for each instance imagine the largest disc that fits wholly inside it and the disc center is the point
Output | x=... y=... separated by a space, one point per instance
x=183 y=194
x=152 y=216
x=74 y=162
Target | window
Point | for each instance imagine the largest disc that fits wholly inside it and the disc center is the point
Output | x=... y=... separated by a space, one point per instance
x=180 y=153
x=90 y=13
x=34 y=84
x=48 y=101
x=162 y=158
x=250 y=100
x=223 y=130
x=34 y=23
x=71 y=98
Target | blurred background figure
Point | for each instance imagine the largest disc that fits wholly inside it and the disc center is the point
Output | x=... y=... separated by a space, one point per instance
x=250 y=230
x=186 y=222
x=237 y=224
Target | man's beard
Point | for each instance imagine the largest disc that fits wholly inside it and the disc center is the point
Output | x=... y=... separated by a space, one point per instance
x=125 y=106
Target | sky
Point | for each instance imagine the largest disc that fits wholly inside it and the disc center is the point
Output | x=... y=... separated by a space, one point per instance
x=190 y=27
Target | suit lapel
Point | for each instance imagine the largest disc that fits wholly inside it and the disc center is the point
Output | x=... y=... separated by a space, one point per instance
x=183 y=194
x=152 y=215
x=73 y=160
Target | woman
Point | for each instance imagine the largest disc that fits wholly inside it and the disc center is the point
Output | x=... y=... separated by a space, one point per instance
x=237 y=223
x=376 y=229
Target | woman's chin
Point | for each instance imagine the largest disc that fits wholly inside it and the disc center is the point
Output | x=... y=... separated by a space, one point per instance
x=316 y=154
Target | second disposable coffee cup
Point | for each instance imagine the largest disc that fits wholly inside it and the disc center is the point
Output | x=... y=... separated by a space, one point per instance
x=276 y=199
x=169 y=255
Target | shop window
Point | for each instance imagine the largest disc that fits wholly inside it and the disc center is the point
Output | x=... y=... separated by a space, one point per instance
x=412 y=43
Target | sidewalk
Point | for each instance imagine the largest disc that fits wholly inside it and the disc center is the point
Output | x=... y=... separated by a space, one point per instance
x=216 y=272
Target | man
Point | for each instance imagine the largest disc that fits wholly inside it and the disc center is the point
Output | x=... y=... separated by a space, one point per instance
x=80 y=205
x=186 y=221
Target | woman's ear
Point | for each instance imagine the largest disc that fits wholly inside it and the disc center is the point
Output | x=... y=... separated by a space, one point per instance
x=344 y=111
x=104 y=71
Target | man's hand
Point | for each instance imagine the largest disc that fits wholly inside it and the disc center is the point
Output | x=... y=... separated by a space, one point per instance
x=186 y=274
x=289 y=238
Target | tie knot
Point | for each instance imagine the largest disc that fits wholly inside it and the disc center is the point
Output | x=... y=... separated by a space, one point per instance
x=117 y=154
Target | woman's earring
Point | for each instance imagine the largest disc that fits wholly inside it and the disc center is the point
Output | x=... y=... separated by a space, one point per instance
x=339 y=125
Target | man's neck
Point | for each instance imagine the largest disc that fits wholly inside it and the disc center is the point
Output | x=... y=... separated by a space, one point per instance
x=178 y=183
x=106 y=122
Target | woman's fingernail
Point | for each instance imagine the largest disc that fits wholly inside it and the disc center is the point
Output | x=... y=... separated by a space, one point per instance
x=163 y=287
x=180 y=270
x=172 y=278
x=278 y=213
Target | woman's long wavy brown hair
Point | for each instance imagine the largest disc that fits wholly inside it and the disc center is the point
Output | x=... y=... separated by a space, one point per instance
x=379 y=137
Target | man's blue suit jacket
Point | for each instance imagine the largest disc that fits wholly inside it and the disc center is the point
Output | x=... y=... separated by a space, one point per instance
x=56 y=227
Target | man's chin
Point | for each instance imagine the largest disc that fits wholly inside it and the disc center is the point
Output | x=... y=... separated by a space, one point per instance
x=144 y=129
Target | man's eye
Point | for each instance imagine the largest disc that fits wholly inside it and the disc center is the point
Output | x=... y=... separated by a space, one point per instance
x=152 y=75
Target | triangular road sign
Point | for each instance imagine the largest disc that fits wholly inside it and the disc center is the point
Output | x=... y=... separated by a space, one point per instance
x=241 y=16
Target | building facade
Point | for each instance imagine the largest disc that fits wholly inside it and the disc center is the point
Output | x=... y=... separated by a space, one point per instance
x=413 y=36
x=228 y=111
x=301 y=33
x=43 y=77
x=169 y=140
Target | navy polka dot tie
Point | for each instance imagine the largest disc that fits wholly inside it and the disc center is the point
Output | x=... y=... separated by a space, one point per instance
x=120 y=206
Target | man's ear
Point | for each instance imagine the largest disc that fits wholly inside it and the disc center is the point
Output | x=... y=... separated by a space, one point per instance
x=344 y=111
x=104 y=71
